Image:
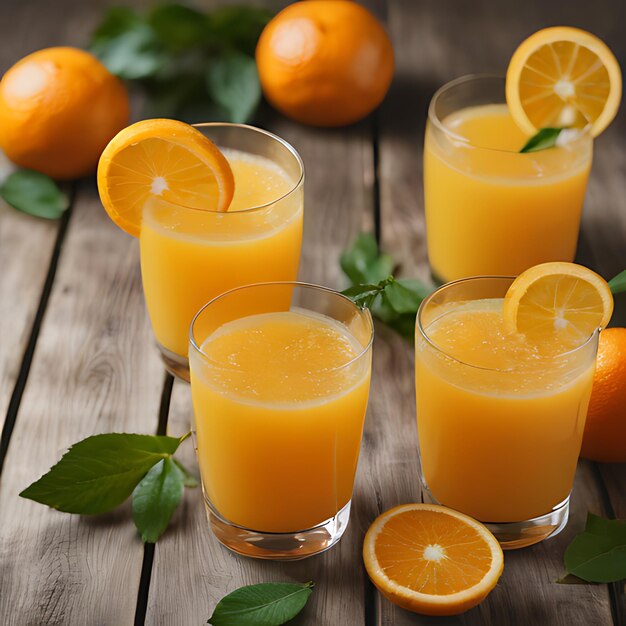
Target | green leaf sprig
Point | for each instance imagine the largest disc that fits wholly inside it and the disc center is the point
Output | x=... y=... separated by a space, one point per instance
x=189 y=64
x=34 y=193
x=618 y=283
x=393 y=301
x=543 y=139
x=598 y=554
x=98 y=473
x=265 y=604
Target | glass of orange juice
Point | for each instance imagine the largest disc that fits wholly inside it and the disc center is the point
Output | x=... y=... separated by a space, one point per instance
x=280 y=377
x=190 y=255
x=491 y=210
x=500 y=421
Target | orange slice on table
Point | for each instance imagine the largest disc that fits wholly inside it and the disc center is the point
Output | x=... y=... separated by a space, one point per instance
x=562 y=301
x=163 y=158
x=432 y=560
x=563 y=77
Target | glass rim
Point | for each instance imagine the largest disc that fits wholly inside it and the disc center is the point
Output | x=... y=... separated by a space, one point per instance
x=259 y=207
x=419 y=326
x=435 y=120
x=293 y=283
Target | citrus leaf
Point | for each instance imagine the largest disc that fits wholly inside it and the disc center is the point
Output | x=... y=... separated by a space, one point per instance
x=393 y=301
x=34 y=193
x=543 y=139
x=190 y=480
x=265 y=604
x=404 y=299
x=239 y=27
x=117 y=20
x=133 y=54
x=98 y=473
x=618 y=283
x=599 y=553
x=178 y=26
x=233 y=82
x=156 y=497
x=364 y=263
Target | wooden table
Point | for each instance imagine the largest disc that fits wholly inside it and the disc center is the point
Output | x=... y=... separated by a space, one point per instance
x=77 y=354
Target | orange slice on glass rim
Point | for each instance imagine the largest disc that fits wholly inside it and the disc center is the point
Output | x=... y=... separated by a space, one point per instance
x=432 y=560
x=165 y=158
x=557 y=301
x=563 y=77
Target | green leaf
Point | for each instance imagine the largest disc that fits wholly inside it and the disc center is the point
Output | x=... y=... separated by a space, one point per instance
x=361 y=290
x=404 y=299
x=156 y=497
x=117 y=20
x=239 y=27
x=178 y=27
x=394 y=302
x=266 y=604
x=599 y=553
x=98 y=473
x=363 y=262
x=133 y=54
x=543 y=139
x=190 y=480
x=365 y=295
x=233 y=82
x=34 y=193
x=618 y=283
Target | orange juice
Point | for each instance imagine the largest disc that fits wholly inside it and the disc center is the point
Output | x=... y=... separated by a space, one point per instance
x=500 y=421
x=279 y=401
x=491 y=210
x=190 y=256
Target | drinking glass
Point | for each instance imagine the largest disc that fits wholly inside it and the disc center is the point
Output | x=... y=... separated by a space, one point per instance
x=491 y=211
x=497 y=441
x=190 y=255
x=279 y=415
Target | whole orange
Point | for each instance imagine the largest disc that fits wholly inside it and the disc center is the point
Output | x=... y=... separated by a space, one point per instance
x=59 y=107
x=605 y=430
x=325 y=62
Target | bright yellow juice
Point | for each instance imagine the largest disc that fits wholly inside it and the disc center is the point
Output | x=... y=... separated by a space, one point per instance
x=279 y=413
x=190 y=256
x=491 y=210
x=500 y=421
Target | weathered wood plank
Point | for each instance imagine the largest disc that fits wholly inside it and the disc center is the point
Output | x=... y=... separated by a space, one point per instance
x=26 y=245
x=432 y=46
x=95 y=369
x=335 y=207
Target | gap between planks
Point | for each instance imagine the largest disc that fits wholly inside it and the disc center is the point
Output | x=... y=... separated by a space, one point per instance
x=143 y=591
x=29 y=351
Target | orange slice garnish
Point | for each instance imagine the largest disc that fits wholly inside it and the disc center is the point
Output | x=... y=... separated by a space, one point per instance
x=432 y=560
x=164 y=158
x=557 y=301
x=563 y=77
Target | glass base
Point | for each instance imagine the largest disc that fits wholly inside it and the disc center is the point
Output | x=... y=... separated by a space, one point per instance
x=278 y=546
x=514 y=535
x=175 y=364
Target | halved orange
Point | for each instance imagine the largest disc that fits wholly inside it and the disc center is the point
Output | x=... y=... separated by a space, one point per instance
x=165 y=158
x=563 y=77
x=432 y=560
x=557 y=301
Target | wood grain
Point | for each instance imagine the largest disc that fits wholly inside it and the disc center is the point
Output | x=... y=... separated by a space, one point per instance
x=95 y=370
x=26 y=245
